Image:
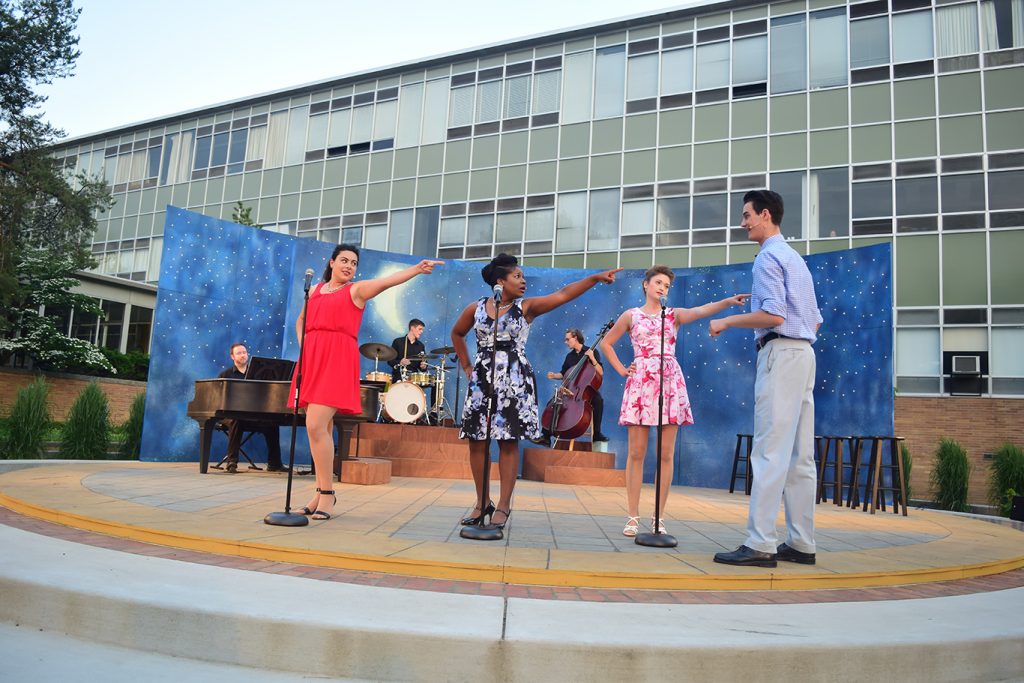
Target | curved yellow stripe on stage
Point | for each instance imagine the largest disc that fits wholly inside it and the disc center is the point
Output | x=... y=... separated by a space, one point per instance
x=760 y=580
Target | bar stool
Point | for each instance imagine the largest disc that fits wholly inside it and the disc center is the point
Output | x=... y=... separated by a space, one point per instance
x=747 y=475
x=825 y=445
x=874 y=487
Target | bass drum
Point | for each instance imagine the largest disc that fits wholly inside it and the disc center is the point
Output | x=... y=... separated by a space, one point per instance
x=405 y=403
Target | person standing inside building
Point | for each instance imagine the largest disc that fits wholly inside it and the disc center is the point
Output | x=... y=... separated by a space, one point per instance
x=271 y=433
x=577 y=350
x=407 y=346
x=785 y=318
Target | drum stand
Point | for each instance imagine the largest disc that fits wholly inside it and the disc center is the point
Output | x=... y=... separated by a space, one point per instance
x=442 y=409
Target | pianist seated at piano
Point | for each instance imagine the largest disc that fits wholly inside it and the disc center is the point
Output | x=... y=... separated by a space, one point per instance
x=237 y=370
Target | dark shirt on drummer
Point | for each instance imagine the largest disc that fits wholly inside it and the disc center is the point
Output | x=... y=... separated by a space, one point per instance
x=231 y=373
x=573 y=357
x=403 y=350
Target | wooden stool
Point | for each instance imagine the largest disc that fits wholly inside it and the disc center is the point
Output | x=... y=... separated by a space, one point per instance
x=874 y=488
x=747 y=475
x=824 y=445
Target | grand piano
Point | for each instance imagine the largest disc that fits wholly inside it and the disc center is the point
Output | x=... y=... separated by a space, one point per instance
x=264 y=401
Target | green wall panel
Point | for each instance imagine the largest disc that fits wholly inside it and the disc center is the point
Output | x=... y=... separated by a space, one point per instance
x=830 y=147
x=403 y=193
x=405 y=163
x=1007 y=273
x=788 y=151
x=964 y=271
x=914 y=98
x=604 y=260
x=331 y=205
x=637 y=167
x=870 y=103
x=961 y=135
x=711 y=159
x=483 y=183
x=512 y=181
x=540 y=178
x=641 y=131
x=1005 y=130
x=428 y=190
x=575 y=140
x=606 y=136
x=674 y=163
x=543 y=144
x=572 y=174
x=638 y=259
x=826 y=246
x=960 y=93
x=456 y=187
x=309 y=205
x=1003 y=88
x=708 y=256
x=711 y=122
x=915 y=139
x=605 y=170
x=829 y=108
x=743 y=253
x=378 y=196
x=750 y=117
x=358 y=171
x=485 y=152
x=674 y=127
x=673 y=257
x=514 y=147
x=788 y=113
x=568 y=261
x=917 y=270
x=872 y=143
x=431 y=159
x=456 y=156
x=749 y=156
x=380 y=166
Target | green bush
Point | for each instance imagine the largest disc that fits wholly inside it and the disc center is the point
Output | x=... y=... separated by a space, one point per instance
x=131 y=429
x=131 y=365
x=1006 y=504
x=908 y=464
x=1007 y=473
x=950 y=475
x=28 y=422
x=85 y=432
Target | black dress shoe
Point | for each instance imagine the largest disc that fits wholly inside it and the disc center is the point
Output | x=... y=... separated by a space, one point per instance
x=232 y=467
x=276 y=468
x=746 y=557
x=542 y=441
x=787 y=554
x=473 y=521
x=600 y=437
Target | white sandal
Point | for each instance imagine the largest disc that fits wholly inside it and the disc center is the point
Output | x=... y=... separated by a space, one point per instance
x=632 y=526
x=661 y=526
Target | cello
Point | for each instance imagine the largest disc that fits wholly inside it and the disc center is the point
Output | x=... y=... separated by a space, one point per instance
x=569 y=412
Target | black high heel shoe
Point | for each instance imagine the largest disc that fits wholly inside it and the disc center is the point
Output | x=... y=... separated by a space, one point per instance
x=322 y=514
x=501 y=525
x=473 y=521
x=306 y=510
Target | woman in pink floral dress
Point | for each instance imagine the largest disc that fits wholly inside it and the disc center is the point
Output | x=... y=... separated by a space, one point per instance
x=640 y=400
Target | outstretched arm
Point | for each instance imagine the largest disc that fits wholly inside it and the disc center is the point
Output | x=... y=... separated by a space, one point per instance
x=463 y=325
x=688 y=315
x=364 y=290
x=759 y=319
x=543 y=304
x=620 y=328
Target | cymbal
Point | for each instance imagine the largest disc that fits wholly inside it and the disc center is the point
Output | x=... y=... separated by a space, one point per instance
x=444 y=350
x=376 y=351
x=423 y=356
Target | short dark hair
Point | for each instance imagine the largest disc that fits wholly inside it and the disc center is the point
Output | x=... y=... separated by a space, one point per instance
x=500 y=267
x=334 y=254
x=575 y=331
x=659 y=270
x=766 y=199
x=416 y=321
x=232 y=349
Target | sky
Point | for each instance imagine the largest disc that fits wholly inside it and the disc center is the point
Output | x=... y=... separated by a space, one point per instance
x=149 y=59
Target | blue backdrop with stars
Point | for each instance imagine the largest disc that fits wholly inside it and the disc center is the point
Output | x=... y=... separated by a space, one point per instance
x=221 y=282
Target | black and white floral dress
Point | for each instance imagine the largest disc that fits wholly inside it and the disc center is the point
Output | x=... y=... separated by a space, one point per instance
x=515 y=415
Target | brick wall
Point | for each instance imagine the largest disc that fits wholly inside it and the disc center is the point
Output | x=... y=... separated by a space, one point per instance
x=64 y=389
x=980 y=425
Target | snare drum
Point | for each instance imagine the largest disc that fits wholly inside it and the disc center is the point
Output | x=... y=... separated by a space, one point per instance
x=423 y=379
x=405 y=402
x=378 y=377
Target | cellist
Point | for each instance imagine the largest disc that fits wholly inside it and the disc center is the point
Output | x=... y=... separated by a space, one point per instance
x=577 y=350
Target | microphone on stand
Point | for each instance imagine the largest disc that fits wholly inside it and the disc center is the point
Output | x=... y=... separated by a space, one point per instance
x=664 y=302
x=497 y=293
x=309 y=280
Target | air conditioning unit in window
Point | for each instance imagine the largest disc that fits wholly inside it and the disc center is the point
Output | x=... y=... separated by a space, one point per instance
x=966 y=365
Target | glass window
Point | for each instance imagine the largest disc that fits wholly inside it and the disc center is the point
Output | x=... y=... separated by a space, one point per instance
x=637 y=218
x=869 y=42
x=153 y=162
x=916 y=196
x=788 y=54
x=316 y=137
x=828 y=48
x=517 y=97
x=509 y=228
x=604 y=220
x=295 y=150
x=424 y=239
x=488 y=101
x=219 y=152
x=375 y=237
x=912 y=36
x=546 y=92
x=963 y=193
x=340 y=122
x=610 y=82
x=481 y=230
x=540 y=225
x=112 y=324
x=84 y=326
x=1007 y=360
x=710 y=211
x=385 y=117
x=362 y=124
x=139 y=324
x=956 y=31
x=400 y=233
x=917 y=353
x=277 y=135
x=572 y=222
x=750 y=60
x=410 y=110
x=453 y=232
x=713 y=66
x=872 y=199
x=578 y=93
x=1002 y=24
x=828 y=195
x=203 y=145
x=461 y=106
x=677 y=71
x=642 y=81
x=1004 y=190
x=239 y=143
x=255 y=143
x=435 y=112
x=673 y=214
x=791 y=187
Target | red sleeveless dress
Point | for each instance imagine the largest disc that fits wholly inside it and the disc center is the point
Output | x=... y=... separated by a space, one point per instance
x=330 y=359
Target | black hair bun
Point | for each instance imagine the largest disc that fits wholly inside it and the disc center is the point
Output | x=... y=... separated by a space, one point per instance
x=499 y=268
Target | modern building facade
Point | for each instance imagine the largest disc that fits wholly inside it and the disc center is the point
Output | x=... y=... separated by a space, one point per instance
x=631 y=142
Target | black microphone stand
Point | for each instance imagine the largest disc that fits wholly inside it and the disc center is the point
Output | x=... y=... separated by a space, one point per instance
x=457 y=417
x=289 y=518
x=657 y=538
x=481 y=531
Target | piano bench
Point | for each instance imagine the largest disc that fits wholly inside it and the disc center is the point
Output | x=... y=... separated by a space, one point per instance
x=366 y=471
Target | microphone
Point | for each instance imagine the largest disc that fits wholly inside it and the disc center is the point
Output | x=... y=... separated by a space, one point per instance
x=664 y=302
x=309 y=279
x=497 y=293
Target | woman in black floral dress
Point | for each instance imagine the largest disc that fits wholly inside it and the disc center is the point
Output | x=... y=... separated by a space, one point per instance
x=516 y=414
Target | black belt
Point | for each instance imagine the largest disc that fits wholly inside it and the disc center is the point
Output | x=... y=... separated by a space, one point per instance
x=771 y=336
x=502 y=345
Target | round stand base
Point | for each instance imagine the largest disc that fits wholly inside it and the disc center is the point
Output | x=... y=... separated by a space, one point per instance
x=482 y=533
x=286 y=519
x=656 y=540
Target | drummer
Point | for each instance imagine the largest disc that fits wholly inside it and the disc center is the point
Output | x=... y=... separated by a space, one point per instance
x=407 y=346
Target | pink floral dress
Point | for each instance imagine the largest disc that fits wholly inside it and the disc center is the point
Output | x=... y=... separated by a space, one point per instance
x=640 y=399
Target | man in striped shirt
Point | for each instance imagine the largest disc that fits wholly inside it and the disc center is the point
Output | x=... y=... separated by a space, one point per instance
x=785 y=318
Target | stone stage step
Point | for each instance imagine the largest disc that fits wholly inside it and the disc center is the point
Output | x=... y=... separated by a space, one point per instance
x=576 y=467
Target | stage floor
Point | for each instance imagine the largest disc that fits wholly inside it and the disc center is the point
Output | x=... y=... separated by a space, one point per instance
x=558 y=536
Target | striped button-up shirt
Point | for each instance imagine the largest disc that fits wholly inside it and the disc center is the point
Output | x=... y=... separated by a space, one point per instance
x=783 y=287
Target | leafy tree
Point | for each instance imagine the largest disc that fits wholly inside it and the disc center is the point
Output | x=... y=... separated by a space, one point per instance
x=46 y=216
x=242 y=215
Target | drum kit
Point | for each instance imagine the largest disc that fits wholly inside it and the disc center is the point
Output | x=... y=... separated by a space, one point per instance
x=405 y=401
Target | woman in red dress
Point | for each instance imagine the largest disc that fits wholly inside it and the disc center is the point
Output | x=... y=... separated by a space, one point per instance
x=330 y=358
